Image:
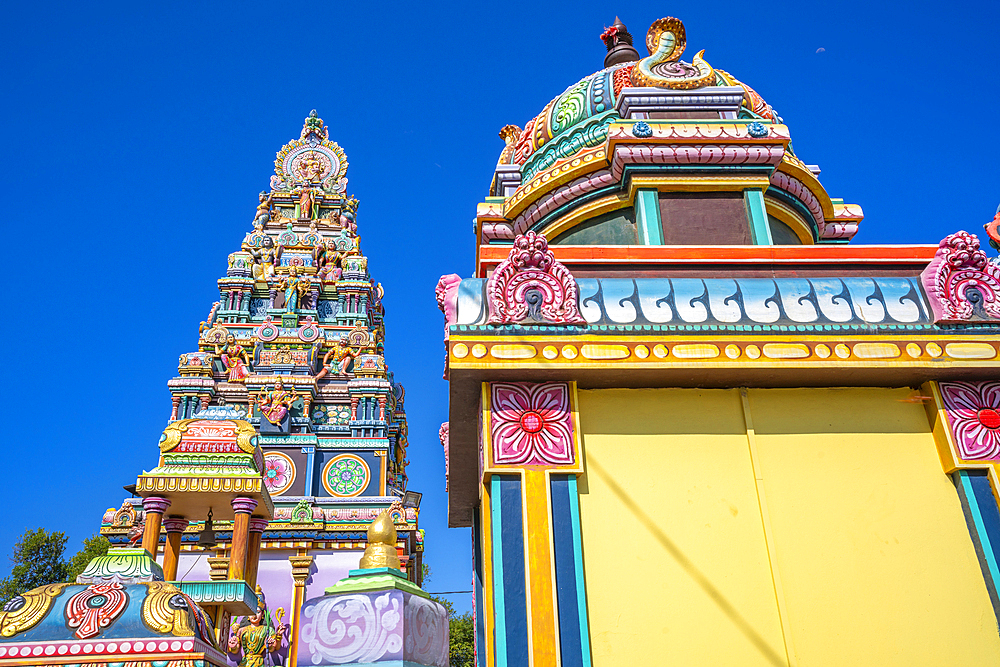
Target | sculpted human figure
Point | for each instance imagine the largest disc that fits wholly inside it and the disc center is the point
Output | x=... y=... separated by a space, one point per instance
x=327 y=259
x=342 y=355
x=295 y=288
x=264 y=259
x=263 y=213
x=256 y=639
x=306 y=201
x=234 y=358
x=274 y=404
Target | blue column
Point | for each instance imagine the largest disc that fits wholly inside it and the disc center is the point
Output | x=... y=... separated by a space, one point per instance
x=647 y=217
x=983 y=518
x=760 y=230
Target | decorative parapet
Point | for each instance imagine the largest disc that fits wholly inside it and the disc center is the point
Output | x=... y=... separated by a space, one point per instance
x=531 y=287
x=962 y=285
x=374 y=616
x=233 y=594
x=122 y=565
x=639 y=102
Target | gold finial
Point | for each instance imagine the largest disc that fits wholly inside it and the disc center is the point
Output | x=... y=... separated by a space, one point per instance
x=509 y=134
x=381 y=549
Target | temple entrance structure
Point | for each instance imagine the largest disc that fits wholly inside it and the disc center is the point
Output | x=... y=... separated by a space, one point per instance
x=690 y=423
x=286 y=438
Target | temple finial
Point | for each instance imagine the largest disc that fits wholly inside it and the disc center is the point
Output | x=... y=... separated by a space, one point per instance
x=618 y=41
x=381 y=549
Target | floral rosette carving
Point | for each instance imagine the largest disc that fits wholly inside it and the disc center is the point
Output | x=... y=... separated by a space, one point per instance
x=974 y=413
x=961 y=283
x=354 y=629
x=531 y=287
x=531 y=424
x=279 y=472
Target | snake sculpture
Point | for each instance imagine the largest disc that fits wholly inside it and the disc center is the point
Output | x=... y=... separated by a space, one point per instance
x=662 y=68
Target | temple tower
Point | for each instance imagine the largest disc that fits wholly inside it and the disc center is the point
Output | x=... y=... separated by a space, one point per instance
x=288 y=380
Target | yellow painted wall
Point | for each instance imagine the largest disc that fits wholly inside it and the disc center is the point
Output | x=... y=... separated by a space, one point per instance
x=872 y=560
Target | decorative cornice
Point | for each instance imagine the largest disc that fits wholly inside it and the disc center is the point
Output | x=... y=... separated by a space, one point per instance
x=962 y=285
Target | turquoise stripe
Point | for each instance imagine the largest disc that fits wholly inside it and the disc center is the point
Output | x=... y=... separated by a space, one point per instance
x=499 y=616
x=581 y=589
x=647 y=215
x=760 y=230
x=977 y=518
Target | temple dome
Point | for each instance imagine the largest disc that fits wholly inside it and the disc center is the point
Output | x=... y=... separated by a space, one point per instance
x=579 y=117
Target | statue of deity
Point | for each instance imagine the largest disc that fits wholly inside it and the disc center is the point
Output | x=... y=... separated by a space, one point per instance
x=234 y=358
x=295 y=288
x=263 y=213
x=306 y=201
x=274 y=404
x=264 y=259
x=342 y=354
x=327 y=259
x=255 y=637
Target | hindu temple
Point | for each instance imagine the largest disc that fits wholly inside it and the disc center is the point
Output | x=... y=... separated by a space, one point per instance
x=692 y=423
x=281 y=473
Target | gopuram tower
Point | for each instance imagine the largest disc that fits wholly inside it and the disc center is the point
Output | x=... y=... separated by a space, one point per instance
x=293 y=349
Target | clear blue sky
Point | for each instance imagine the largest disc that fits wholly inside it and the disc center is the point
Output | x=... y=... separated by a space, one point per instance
x=136 y=138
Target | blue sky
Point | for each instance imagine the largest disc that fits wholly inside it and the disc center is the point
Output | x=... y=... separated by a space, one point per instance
x=137 y=137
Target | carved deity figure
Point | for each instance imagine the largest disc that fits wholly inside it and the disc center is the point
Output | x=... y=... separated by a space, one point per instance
x=342 y=355
x=275 y=404
x=234 y=358
x=295 y=288
x=263 y=213
x=327 y=259
x=264 y=259
x=255 y=637
x=306 y=201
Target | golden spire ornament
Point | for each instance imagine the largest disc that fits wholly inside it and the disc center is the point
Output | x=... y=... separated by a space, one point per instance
x=381 y=549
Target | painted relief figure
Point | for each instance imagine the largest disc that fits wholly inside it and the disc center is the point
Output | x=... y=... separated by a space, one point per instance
x=234 y=358
x=342 y=356
x=274 y=404
x=264 y=259
x=257 y=638
x=295 y=288
x=327 y=259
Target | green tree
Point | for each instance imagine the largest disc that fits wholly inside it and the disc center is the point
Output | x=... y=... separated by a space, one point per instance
x=37 y=561
x=462 y=639
x=94 y=546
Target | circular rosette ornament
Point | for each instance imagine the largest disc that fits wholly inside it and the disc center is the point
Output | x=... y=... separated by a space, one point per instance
x=279 y=472
x=346 y=476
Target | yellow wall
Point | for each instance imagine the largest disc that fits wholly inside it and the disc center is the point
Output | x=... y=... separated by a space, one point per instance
x=847 y=547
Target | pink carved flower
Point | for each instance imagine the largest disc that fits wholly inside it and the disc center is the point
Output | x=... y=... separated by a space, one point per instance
x=277 y=474
x=974 y=412
x=531 y=424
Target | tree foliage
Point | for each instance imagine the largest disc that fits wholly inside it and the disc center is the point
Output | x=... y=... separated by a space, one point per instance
x=94 y=546
x=38 y=560
x=461 y=630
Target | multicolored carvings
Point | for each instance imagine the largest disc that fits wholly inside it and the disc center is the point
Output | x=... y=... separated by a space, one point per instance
x=446 y=293
x=531 y=287
x=443 y=436
x=23 y=611
x=279 y=472
x=666 y=41
x=974 y=414
x=531 y=424
x=95 y=608
x=346 y=475
x=962 y=285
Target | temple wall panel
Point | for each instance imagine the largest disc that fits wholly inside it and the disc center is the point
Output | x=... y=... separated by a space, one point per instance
x=775 y=526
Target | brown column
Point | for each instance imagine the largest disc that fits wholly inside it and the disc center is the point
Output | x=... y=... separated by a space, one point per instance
x=241 y=537
x=175 y=527
x=300 y=572
x=257 y=527
x=154 y=507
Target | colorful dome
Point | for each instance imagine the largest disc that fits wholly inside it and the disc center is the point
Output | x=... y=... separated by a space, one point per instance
x=579 y=118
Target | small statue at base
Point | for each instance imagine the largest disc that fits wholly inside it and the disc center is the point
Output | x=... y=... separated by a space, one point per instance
x=256 y=637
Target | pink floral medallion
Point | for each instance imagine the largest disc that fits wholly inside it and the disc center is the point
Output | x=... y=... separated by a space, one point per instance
x=531 y=424
x=974 y=412
x=279 y=472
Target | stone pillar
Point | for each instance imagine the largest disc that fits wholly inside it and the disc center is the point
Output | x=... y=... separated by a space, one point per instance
x=354 y=407
x=241 y=537
x=154 y=507
x=381 y=408
x=257 y=527
x=300 y=572
x=171 y=554
x=176 y=402
x=204 y=401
